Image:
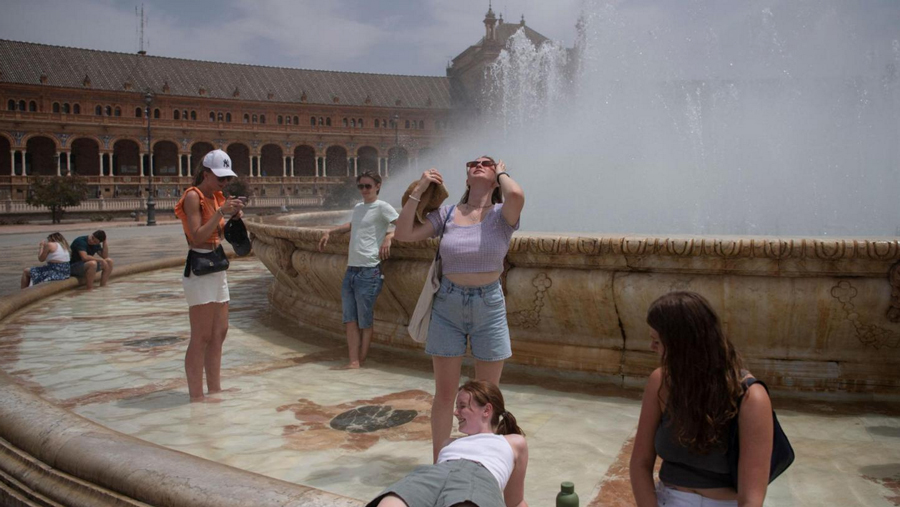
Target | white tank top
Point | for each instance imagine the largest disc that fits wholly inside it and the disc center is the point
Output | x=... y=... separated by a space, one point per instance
x=60 y=255
x=488 y=449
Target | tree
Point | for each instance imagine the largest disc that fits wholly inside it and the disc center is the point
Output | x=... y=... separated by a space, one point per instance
x=57 y=193
x=342 y=196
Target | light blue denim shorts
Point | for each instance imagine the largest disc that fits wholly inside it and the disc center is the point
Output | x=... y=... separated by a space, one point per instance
x=476 y=312
x=358 y=294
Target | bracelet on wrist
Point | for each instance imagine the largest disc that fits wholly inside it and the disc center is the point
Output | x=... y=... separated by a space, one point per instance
x=504 y=173
x=415 y=198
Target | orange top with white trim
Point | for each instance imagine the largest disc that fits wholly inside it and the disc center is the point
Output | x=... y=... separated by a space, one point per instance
x=208 y=208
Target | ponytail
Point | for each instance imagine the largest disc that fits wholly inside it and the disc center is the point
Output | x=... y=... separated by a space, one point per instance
x=485 y=393
x=508 y=425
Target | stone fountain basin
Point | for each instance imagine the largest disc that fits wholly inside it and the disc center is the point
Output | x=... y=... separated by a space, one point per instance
x=808 y=314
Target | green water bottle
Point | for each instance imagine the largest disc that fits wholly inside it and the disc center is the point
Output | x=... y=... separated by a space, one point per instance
x=567 y=496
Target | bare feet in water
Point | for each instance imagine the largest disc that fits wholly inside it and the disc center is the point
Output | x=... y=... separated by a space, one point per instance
x=349 y=366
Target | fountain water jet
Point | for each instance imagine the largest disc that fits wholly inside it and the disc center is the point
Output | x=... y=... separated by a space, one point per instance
x=778 y=118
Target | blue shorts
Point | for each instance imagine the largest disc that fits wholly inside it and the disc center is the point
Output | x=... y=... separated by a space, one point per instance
x=476 y=312
x=358 y=294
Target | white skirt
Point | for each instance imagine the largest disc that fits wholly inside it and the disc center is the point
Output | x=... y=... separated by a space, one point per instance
x=211 y=288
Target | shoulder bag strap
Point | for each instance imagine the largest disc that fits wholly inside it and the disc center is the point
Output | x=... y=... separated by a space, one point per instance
x=437 y=255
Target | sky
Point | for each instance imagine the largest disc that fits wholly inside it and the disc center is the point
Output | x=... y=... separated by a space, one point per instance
x=384 y=36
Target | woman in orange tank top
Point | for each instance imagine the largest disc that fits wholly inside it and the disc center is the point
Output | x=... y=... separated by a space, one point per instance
x=202 y=211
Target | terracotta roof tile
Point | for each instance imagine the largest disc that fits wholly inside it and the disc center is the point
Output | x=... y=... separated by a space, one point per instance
x=24 y=62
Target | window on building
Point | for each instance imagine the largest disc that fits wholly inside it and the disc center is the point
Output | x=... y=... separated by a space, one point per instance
x=421 y=124
x=55 y=106
x=346 y=123
x=220 y=117
x=11 y=105
x=359 y=123
x=76 y=109
x=287 y=120
x=262 y=118
x=32 y=106
x=66 y=108
x=156 y=115
x=328 y=121
x=312 y=119
x=353 y=122
x=280 y=120
x=184 y=114
x=108 y=110
x=296 y=120
x=22 y=106
x=321 y=121
x=212 y=116
x=246 y=118
x=254 y=119
x=138 y=112
x=118 y=111
x=98 y=111
x=193 y=115
x=407 y=124
x=176 y=115
x=228 y=117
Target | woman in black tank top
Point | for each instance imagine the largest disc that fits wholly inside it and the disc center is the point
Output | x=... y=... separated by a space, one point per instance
x=687 y=407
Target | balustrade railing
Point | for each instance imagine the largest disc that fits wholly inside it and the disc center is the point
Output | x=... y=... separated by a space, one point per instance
x=163 y=203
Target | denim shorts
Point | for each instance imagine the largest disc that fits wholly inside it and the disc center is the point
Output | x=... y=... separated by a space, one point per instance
x=479 y=312
x=358 y=294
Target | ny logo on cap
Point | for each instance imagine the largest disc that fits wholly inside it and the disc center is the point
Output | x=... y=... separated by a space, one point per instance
x=226 y=163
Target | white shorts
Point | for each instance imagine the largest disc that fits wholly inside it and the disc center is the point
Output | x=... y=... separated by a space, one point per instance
x=211 y=288
x=668 y=497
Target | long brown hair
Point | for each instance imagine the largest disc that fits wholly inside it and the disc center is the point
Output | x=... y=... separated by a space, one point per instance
x=702 y=371
x=484 y=392
x=496 y=195
x=198 y=173
x=59 y=238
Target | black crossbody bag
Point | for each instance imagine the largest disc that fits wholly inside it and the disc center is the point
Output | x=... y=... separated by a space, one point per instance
x=201 y=264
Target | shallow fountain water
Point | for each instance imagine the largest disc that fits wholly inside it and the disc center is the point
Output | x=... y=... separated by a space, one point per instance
x=765 y=117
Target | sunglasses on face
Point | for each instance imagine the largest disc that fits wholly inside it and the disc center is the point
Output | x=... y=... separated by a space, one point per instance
x=365 y=186
x=224 y=179
x=475 y=163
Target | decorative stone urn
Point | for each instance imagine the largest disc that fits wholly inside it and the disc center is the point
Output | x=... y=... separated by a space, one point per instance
x=807 y=314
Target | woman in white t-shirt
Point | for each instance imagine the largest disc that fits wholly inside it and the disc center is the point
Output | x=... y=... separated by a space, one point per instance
x=485 y=468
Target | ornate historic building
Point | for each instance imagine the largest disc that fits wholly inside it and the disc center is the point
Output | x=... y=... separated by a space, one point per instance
x=134 y=122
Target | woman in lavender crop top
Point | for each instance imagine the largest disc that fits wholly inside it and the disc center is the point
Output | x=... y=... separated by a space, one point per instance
x=469 y=308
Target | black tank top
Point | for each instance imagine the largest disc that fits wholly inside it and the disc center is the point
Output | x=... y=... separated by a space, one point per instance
x=682 y=467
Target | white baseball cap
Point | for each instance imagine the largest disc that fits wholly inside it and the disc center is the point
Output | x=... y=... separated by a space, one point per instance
x=219 y=162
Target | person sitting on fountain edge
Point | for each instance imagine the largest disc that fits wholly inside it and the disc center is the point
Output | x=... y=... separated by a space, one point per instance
x=370 y=243
x=84 y=263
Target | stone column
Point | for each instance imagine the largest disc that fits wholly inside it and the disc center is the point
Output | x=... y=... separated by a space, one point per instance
x=355 y=166
x=58 y=164
x=324 y=166
x=291 y=162
x=284 y=166
x=101 y=156
x=142 y=165
x=151 y=164
x=12 y=156
x=179 y=165
x=349 y=163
